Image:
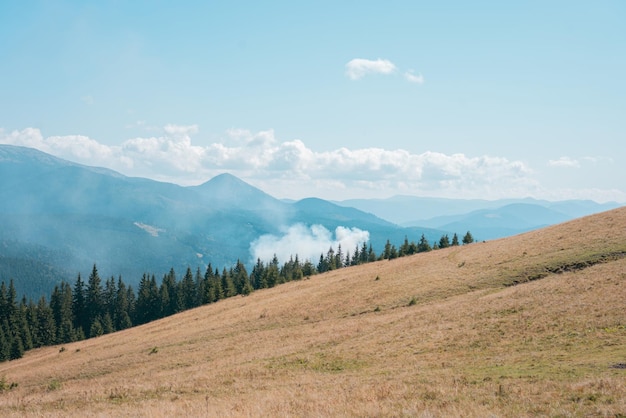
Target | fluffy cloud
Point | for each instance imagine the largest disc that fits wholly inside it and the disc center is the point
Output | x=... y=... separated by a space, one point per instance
x=566 y=162
x=412 y=78
x=290 y=168
x=307 y=242
x=359 y=67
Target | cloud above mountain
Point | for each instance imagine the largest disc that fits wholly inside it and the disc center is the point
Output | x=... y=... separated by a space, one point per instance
x=292 y=168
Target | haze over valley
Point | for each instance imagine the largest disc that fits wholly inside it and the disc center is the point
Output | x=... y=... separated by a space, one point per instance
x=60 y=218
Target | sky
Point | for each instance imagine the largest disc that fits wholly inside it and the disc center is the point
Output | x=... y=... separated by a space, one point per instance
x=337 y=100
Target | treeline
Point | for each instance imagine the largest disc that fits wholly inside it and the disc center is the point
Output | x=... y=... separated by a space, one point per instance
x=93 y=308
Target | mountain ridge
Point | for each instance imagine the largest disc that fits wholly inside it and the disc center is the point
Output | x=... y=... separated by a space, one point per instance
x=95 y=215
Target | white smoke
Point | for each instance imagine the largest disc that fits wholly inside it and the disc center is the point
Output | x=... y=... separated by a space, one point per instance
x=306 y=242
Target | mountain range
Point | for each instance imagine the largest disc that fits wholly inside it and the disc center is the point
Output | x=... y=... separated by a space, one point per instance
x=58 y=218
x=486 y=219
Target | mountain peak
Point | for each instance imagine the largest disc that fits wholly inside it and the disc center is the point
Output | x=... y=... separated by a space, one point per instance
x=227 y=190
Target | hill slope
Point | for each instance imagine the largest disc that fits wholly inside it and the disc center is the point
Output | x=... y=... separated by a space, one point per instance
x=61 y=217
x=531 y=325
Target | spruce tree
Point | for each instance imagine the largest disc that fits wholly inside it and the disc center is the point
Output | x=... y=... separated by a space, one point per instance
x=468 y=238
x=5 y=345
x=308 y=269
x=241 y=280
x=121 y=317
x=227 y=283
x=371 y=254
x=17 y=348
x=79 y=308
x=46 y=327
x=258 y=274
x=4 y=309
x=210 y=295
x=455 y=240
x=423 y=245
x=94 y=298
x=188 y=290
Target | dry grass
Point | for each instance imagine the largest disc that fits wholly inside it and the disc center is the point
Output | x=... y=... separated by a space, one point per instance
x=439 y=334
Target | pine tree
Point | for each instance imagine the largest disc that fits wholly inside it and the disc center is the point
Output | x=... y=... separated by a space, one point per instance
x=258 y=274
x=46 y=327
x=94 y=298
x=404 y=248
x=308 y=269
x=356 y=259
x=322 y=266
x=172 y=296
x=423 y=245
x=188 y=290
x=444 y=241
x=107 y=324
x=387 y=251
x=371 y=254
x=297 y=269
x=4 y=308
x=61 y=305
x=200 y=288
x=122 y=314
x=11 y=301
x=79 y=308
x=348 y=261
x=24 y=323
x=455 y=240
x=148 y=306
x=108 y=299
x=17 y=348
x=468 y=238
x=217 y=284
x=96 y=328
x=393 y=253
x=5 y=345
x=339 y=257
x=241 y=280
x=210 y=295
x=272 y=272
x=227 y=283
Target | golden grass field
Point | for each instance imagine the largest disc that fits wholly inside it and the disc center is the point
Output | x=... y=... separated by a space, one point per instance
x=532 y=325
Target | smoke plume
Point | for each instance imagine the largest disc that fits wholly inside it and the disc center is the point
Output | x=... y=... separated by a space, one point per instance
x=306 y=242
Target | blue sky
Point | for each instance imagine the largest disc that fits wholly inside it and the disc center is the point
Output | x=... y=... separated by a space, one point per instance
x=348 y=99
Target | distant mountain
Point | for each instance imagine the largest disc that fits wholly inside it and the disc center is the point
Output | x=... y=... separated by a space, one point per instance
x=486 y=219
x=496 y=223
x=58 y=218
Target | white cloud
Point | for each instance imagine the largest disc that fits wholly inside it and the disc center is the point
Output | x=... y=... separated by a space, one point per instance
x=307 y=242
x=412 y=78
x=565 y=162
x=291 y=169
x=359 y=67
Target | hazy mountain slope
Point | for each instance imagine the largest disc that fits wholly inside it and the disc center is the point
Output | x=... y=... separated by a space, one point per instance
x=495 y=223
x=313 y=210
x=130 y=226
x=442 y=333
x=425 y=211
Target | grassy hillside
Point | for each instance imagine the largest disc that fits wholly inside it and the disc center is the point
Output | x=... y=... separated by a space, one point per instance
x=524 y=326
